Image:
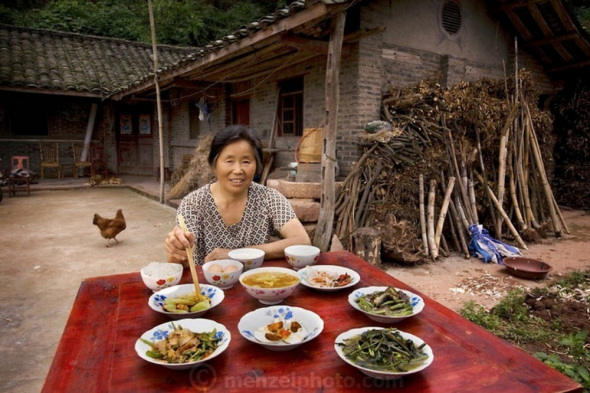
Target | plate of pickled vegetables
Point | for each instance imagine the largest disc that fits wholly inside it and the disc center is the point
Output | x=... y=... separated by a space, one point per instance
x=180 y=301
x=386 y=304
x=182 y=344
x=383 y=353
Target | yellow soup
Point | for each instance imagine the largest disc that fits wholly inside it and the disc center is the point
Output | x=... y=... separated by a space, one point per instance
x=270 y=280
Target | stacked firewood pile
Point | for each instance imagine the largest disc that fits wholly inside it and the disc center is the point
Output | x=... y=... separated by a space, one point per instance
x=572 y=153
x=472 y=154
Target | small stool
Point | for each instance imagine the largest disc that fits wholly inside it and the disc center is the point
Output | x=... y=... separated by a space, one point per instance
x=17 y=182
x=166 y=174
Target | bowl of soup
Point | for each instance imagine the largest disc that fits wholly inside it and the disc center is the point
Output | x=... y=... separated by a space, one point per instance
x=270 y=285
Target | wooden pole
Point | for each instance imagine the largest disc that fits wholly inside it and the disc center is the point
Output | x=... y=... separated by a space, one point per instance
x=158 y=100
x=423 y=216
x=443 y=212
x=504 y=215
x=323 y=232
x=430 y=218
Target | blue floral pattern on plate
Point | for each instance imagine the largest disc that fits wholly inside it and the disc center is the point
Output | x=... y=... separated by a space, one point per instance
x=281 y=314
x=161 y=334
x=209 y=292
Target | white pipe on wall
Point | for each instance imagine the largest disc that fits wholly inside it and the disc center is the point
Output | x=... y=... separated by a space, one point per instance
x=89 y=129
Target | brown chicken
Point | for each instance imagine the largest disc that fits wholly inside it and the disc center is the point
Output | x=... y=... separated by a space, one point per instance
x=110 y=227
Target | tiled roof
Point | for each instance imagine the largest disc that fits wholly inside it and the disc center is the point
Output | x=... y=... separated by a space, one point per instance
x=49 y=60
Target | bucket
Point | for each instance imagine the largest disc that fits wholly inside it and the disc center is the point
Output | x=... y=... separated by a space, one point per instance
x=310 y=145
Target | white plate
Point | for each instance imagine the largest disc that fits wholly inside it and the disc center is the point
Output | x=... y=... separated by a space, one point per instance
x=383 y=374
x=156 y=301
x=194 y=325
x=415 y=300
x=303 y=273
x=261 y=317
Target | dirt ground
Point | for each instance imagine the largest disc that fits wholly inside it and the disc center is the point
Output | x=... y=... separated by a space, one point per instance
x=49 y=246
x=455 y=280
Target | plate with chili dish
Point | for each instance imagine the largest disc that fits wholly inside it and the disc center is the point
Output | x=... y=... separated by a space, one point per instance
x=328 y=278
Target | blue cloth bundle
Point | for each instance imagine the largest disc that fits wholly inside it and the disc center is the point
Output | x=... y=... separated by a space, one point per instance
x=485 y=247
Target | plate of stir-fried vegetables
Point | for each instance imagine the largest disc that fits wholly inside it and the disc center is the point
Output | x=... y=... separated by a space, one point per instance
x=182 y=344
x=383 y=353
x=386 y=304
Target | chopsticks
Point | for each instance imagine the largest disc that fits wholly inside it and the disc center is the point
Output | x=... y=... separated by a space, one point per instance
x=191 y=260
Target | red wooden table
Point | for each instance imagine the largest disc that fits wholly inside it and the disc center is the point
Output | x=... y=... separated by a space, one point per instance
x=96 y=351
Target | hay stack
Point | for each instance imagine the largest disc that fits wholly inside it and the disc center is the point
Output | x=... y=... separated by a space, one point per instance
x=194 y=173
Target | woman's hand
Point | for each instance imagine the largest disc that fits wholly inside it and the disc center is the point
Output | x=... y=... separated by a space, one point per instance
x=217 y=254
x=176 y=244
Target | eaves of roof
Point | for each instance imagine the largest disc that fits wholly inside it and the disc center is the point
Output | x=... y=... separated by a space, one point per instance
x=549 y=30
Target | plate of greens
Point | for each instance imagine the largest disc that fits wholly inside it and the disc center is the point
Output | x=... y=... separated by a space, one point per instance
x=386 y=304
x=383 y=353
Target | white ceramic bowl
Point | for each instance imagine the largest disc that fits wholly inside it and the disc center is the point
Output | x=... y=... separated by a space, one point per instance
x=156 y=301
x=196 y=326
x=223 y=280
x=377 y=373
x=301 y=256
x=158 y=282
x=254 y=320
x=308 y=272
x=415 y=300
x=270 y=295
x=250 y=257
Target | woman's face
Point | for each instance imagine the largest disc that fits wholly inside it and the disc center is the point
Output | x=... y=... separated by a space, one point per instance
x=235 y=167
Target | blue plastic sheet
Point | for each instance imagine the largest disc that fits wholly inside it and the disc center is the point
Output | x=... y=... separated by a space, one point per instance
x=485 y=247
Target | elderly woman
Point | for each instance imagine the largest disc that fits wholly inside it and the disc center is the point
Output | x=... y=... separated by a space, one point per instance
x=232 y=211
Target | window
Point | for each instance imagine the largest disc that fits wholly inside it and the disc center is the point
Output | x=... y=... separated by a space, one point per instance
x=291 y=107
x=451 y=18
x=22 y=123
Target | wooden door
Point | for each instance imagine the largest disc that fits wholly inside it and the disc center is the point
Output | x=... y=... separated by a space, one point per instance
x=241 y=112
x=136 y=144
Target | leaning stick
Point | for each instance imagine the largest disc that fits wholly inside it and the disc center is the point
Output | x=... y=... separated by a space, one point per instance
x=504 y=215
x=462 y=190
x=504 y=135
x=517 y=212
x=457 y=228
x=430 y=217
x=485 y=179
x=443 y=212
x=422 y=215
x=541 y=167
x=472 y=198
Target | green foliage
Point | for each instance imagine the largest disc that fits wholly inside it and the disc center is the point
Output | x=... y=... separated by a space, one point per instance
x=177 y=22
x=583 y=15
x=579 y=368
x=511 y=320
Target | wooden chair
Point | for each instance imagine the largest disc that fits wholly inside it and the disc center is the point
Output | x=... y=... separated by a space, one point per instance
x=78 y=163
x=17 y=179
x=99 y=165
x=50 y=158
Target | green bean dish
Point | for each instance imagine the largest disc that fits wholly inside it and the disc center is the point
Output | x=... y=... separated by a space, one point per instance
x=383 y=350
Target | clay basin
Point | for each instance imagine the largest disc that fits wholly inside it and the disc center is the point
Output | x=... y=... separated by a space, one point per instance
x=530 y=269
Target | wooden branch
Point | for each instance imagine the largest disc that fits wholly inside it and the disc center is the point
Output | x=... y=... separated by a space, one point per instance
x=504 y=215
x=422 y=216
x=430 y=218
x=443 y=212
x=485 y=180
x=543 y=175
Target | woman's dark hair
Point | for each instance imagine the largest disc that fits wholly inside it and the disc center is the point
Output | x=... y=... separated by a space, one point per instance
x=233 y=134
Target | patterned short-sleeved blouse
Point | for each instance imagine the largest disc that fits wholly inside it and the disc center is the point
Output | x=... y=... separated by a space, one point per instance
x=266 y=212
